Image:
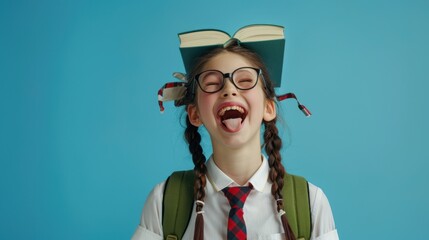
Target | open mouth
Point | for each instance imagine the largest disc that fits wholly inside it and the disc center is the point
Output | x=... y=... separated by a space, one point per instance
x=232 y=117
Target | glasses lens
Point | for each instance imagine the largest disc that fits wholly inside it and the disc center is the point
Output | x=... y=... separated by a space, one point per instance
x=245 y=78
x=210 y=81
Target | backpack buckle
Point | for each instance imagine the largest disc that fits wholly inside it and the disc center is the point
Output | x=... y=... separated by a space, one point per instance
x=171 y=237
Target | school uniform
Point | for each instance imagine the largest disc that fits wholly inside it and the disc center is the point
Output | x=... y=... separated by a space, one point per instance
x=260 y=213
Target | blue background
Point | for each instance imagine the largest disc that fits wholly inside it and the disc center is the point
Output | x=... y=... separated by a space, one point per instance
x=82 y=141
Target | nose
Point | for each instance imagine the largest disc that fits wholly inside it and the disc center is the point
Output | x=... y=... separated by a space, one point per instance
x=229 y=89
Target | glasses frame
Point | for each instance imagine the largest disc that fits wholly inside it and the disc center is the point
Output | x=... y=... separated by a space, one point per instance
x=230 y=76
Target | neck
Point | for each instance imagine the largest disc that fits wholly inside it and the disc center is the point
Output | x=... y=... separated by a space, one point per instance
x=239 y=163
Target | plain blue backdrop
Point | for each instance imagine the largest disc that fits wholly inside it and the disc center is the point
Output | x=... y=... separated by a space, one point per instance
x=82 y=141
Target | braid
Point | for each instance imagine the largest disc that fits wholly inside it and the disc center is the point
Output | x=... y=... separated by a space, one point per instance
x=193 y=137
x=273 y=144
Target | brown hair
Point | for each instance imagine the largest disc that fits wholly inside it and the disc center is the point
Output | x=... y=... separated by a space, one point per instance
x=272 y=141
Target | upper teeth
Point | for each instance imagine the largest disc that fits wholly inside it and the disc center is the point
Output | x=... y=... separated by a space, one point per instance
x=223 y=110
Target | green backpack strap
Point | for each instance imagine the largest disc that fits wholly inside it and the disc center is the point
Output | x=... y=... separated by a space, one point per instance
x=297 y=205
x=177 y=204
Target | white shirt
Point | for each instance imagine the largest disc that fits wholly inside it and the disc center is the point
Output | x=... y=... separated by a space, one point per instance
x=260 y=214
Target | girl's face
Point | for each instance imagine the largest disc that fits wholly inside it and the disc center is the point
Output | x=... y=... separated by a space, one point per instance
x=233 y=117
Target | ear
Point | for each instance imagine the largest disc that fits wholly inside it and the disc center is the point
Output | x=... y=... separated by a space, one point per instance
x=194 y=115
x=270 y=110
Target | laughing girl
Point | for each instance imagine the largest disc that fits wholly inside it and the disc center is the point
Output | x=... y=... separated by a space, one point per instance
x=238 y=191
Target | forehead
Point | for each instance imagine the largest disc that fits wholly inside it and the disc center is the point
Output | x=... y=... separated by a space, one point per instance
x=227 y=62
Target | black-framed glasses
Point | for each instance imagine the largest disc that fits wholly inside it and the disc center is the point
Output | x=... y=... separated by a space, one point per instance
x=244 y=78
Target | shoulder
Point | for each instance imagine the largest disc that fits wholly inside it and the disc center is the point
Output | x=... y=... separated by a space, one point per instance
x=321 y=214
x=153 y=203
x=150 y=226
x=175 y=183
x=317 y=196
x=155 y=196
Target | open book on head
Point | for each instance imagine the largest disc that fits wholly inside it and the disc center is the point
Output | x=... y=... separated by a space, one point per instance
x=268 y=41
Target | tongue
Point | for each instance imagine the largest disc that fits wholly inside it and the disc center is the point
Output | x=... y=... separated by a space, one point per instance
x=233 y=124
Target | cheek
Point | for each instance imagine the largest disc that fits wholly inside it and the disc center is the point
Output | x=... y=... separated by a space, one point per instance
x=257 y=96
x=257 y=100
x=205 y=104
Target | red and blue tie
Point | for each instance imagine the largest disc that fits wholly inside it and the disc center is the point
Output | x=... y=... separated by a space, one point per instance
x=236 y=225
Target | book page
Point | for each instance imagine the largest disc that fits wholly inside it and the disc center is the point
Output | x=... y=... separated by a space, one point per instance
x=259 y=33
x=203 y=38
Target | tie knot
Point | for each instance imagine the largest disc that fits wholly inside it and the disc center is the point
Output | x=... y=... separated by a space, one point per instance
x=236 y=195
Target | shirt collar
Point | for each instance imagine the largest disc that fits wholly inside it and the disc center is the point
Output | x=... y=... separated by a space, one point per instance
x=220 y=180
